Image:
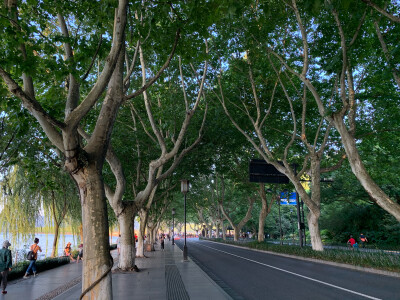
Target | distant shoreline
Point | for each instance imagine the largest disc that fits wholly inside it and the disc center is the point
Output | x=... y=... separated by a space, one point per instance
x=115 y=233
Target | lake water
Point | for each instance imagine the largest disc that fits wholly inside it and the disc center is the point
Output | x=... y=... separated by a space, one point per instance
x=21 y=247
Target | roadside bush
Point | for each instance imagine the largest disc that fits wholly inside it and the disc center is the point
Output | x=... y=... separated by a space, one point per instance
x=19 y=269
x=377 y=260
x=325 y=235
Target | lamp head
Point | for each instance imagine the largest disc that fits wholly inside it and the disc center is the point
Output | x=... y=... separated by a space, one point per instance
x=184 y=186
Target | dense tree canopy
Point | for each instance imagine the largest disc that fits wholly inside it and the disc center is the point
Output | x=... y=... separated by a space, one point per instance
x=128 y=97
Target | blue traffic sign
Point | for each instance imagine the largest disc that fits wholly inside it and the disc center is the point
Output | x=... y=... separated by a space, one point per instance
x=292 y=198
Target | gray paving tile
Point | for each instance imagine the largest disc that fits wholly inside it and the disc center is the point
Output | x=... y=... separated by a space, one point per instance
x=149 y=283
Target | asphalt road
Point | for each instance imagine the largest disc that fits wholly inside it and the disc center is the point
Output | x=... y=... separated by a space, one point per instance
x=247 y=274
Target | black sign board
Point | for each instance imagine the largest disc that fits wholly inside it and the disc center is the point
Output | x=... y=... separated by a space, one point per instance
x=261 y=171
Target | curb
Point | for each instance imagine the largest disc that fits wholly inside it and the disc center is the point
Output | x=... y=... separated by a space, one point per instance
x=336 y=264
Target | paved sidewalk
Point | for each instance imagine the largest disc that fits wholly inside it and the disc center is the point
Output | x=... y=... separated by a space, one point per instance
x=163 y=275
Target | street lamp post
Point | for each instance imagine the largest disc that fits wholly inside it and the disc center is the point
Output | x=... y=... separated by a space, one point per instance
x=304 y=228
x=184 y=190
x=300 y=226
x=173 y=229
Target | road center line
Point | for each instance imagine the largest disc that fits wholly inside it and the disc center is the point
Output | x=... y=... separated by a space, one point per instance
x=295 y=274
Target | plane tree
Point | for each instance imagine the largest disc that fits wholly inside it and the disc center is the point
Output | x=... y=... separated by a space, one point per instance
x=159 y=124
x=48 y=52
x=269 y=105
x=346 y=59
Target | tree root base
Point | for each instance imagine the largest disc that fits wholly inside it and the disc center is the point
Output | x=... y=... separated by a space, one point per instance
x=128 y=270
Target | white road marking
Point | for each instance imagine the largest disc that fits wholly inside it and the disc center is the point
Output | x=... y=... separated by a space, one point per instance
x=295 y=274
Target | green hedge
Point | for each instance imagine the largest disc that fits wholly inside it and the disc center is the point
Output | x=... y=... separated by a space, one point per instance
x=19 y=269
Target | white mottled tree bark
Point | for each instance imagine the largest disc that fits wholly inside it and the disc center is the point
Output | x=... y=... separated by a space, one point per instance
x=127 y=241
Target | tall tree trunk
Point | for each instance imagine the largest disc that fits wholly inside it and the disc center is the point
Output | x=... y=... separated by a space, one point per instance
x=223 y=231
x=152 y=238
x=263 y=212
x=157 y=230
x=217 y=229
x=127 y=240
x=313 y=226
x=97 y=262
x=140 y=243
x=56 y=234
x=236 y=232
x=141 y=233
x=315 y=212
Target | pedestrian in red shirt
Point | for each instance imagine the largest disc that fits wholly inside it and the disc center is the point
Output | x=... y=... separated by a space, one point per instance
x=351 y=242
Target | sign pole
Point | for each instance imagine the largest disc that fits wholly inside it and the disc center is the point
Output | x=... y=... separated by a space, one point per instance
x=299 y=220
x=280 y=221
x=304 y=228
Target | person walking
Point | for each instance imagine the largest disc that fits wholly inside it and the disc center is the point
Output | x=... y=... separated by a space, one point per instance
x=80 y=253
x=119 y=244
x=5 y=264
x=363 y=240
x=162 y=238
x=32 y=265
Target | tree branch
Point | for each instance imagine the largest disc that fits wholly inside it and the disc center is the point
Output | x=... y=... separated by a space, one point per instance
x=48 y=123
x=152 y=80
x=93 y=59
x=382 y=11
x=118 y=40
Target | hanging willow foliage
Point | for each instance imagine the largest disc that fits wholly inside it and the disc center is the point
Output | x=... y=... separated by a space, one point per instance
x=61 y=205
x=21 y=206
x=38 y=197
